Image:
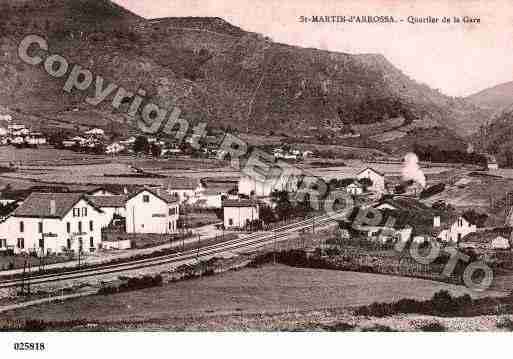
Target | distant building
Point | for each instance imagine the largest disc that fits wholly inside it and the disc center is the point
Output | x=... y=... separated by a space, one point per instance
x=187 y=190
x=100 y=191
x=240 y=213
x=457 y=228
x=110 y=205
x=377 y=178
x=54 y=222
x=210 y=199
x=493 y=239
x=355 y=188
x=151 y=211
x=251 y=186
x=491 y=162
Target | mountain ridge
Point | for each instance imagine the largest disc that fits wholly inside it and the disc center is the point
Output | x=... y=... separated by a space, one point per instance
x=218 y=73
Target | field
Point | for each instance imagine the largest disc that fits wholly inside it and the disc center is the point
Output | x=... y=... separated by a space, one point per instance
x=268 y=289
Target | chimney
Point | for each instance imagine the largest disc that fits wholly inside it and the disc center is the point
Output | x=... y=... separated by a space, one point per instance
x=53 y=207
x=436 y=221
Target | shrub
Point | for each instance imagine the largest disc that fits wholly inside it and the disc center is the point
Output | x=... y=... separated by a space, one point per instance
x=505 y=323
x=431 y=326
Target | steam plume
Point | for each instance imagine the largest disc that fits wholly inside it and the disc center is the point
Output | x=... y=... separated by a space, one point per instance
x=412 y=171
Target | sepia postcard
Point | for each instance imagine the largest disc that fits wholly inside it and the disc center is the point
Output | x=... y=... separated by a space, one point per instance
x=198 y=166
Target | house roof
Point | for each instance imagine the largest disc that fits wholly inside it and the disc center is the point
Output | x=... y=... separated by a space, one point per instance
x=38 y=205
x=373 y=170
x=406 y=204
x=166 y=197
x=355 y=183
x=485 y=237
x=240 y=203
x=109 y=201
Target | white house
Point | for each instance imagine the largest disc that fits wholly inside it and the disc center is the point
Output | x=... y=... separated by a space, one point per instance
x=459 y=228
x=186 y=189
x=149 y=211
x=251 y=186
x=101 y=191
x=35 y=139
x=377 y=178
x=490 y=239
x=491 y=162
x=239 y=213
x=211 y=198
x=54 y=222
x=354 y=188
x=110 y=205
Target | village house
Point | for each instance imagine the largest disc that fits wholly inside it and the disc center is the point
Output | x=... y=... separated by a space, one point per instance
x=355 y=188
x=240 y=213
x=457 y=228
x=54 y=223
x=100 y=191
x=151 y=211
x=491 y=162
x=251 y=186
x=492 y=239
x=187 y=190
x=377 y=179
x=111 y=205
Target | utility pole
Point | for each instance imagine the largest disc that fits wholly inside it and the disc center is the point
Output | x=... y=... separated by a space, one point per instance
x=274 y=251
x=199 y=241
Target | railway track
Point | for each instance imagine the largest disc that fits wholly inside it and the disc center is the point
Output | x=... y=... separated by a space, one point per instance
x=251 y=241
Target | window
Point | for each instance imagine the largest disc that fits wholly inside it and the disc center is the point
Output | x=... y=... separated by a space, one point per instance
x=68 y=243
x=91 y=226
x=3 y=243
x=230 y=222
x=170 y=225
x=84 y=212
x=68 y=227
x=80 y=244
x=80 y=227
x=21 y=243
x=172 y=211
x=91 y=242
x=41 y=242
x=146 y=198
x=22 y=227
x=40 y=227
x=76 y=212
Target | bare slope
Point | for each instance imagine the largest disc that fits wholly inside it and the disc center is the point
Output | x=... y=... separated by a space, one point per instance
x=214 y=72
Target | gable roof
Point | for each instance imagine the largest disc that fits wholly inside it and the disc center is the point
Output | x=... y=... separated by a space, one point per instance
x=109 y=201
x=38 y=205
x=486 y=237
x=240 y=203
x=371 y=169
x=164 y=196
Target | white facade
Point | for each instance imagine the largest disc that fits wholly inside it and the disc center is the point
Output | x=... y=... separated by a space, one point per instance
x=79 y=228
x=250 y=186
x=378 y=180
x=239 y=215
x=147 y=212
x=459 y=229
x=354 y=189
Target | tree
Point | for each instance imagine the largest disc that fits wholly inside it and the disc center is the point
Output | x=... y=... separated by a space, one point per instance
x=267 y=215
x=475 y=217
x=141 y=144
x=155 y=150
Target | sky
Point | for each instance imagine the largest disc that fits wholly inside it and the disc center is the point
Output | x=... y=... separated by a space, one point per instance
x=459 y=59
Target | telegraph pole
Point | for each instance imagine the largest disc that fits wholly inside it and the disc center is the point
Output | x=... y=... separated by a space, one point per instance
x=199 y=241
